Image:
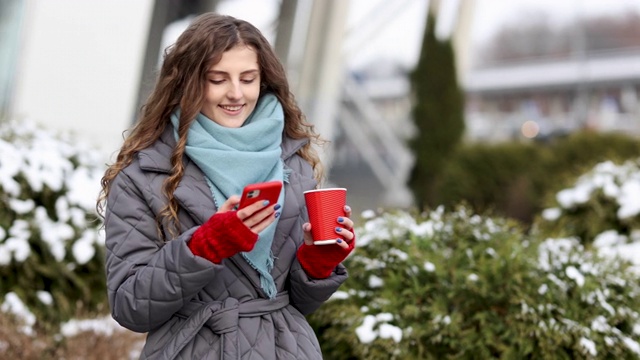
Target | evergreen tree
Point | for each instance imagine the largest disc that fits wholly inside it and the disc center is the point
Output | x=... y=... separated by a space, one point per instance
x=438 y=114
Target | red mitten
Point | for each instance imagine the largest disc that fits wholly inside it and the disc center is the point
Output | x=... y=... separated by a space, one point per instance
x=318 y=261
x=222 y=236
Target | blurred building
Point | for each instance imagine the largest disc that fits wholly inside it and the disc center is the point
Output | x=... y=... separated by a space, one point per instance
x=87 y=66
x=538 y=99
x=83 y=66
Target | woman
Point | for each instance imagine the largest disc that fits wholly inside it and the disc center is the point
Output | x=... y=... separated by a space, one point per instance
x=203 y=279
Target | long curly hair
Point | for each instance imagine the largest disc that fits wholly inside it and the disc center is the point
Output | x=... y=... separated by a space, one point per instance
x=182 y=83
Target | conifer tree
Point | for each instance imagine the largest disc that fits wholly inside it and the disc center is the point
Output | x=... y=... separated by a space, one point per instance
x=437 y=113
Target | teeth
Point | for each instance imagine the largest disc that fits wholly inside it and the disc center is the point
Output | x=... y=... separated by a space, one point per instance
x=231 y=108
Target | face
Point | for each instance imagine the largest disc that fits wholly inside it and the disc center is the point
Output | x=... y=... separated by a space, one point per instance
x=233 y=87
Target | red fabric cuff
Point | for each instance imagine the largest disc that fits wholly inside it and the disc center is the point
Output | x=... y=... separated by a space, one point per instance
x=222 y=236
x=318 y=261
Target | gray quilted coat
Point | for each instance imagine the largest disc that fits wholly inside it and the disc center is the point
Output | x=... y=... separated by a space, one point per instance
x=190 y=307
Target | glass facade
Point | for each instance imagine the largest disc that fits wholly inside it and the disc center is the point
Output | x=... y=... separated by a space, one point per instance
x=11 y=19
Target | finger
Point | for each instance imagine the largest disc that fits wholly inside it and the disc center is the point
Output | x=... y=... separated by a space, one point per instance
x=347 y=211
x=343 y=244
x=252 y=209
x=348 y=235
x=230 y=204
x=345 y=222
x=258 y=227
x=265 y=214
x=306 y=233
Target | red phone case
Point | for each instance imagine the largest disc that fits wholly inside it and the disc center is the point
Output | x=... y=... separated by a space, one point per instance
x=269 y=190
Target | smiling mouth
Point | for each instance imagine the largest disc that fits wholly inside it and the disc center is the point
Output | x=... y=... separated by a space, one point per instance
x=231 y=107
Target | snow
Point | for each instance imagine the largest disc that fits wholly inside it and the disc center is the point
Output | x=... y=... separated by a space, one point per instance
x=631 y=344
x=388 y=331
x=104 y=326
x=13 y=305
x=35 y=160
x=551 y=214
x=589 y=345
x=375 y=282
x=83 y=249
x=45 y=297
x=628 y=199
x=339 y=295
x=574 y=274
x=620 y=183
x=367 y=332
x=17 y=245
x=430 y=267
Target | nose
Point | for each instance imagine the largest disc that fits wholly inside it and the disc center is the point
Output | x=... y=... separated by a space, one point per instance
x=234 y=92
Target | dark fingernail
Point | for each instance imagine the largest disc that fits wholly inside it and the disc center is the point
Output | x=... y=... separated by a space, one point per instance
x=340 y=219
x=338 y=229
x=277 y=214
x=339 y=241
x=347 y=208
x=276 y=207
x=265 y=203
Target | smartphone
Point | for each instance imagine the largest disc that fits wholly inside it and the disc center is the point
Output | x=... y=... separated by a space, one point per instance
x=269 y=190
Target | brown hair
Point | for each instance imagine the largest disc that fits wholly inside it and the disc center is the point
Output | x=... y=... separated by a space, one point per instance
x=182 y=83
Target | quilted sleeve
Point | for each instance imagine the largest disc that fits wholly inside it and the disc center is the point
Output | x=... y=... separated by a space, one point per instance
x=147 y=280
x=307 y=294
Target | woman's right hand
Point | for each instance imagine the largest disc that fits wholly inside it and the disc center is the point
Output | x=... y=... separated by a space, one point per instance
x=256 y=216
x=229 y=232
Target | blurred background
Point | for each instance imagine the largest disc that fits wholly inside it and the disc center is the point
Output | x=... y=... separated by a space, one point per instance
x=528 y=70
x=524 y=109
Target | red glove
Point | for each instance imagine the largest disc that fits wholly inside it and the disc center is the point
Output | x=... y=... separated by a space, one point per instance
x=318 y=261
x=222 y=236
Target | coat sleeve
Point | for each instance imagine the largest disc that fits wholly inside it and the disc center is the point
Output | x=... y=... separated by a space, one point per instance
x=147 y=280
x=307 y=294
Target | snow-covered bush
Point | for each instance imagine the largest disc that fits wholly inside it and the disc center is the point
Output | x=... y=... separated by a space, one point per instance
x=602 y=206
x=459 y=285
x=51 y=245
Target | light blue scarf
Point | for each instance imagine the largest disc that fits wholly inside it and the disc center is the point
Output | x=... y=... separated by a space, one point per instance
x=234 y=157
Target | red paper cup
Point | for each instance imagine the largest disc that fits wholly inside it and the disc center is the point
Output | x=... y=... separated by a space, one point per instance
x=324 y=206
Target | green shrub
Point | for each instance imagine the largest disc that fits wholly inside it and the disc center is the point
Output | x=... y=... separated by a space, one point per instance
x=51 y=250
x=605 y=199
x=505 y=178
x=457 y=285
x=516 y=179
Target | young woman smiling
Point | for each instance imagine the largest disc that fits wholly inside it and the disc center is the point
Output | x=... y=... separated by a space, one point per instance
x=204 y=279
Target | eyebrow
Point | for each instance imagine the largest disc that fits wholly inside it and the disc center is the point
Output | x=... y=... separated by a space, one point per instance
x=218 y=72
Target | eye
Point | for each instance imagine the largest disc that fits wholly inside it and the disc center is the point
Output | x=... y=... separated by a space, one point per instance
x=216 y=82
x=248 y=81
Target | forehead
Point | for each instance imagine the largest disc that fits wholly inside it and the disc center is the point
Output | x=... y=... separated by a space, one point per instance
x=240 y=58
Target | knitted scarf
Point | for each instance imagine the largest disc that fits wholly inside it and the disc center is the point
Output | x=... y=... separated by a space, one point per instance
x=232 y=158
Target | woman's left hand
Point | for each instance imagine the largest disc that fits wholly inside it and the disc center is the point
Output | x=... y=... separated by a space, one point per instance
x=344 y=230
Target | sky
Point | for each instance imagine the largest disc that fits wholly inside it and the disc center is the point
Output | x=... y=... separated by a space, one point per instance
x=400 y=23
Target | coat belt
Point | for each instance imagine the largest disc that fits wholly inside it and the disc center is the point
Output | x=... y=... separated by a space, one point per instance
x=219 y=316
